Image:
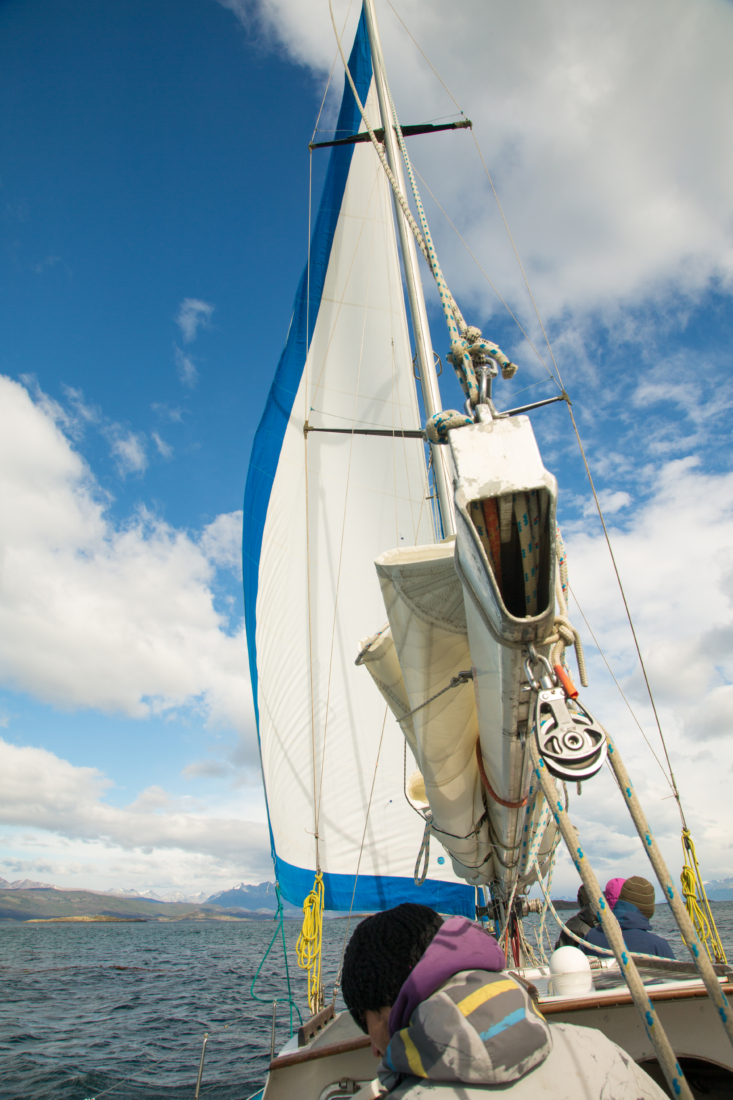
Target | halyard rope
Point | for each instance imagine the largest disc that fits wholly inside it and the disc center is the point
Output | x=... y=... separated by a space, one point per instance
x=468 y=348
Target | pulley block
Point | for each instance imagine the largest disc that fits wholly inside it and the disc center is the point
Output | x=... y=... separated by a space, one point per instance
x=571 y=743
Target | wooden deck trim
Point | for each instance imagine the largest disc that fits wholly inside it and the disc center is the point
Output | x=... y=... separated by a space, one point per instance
x=547 y=1008
x=580 y=1004
x=328 y=1050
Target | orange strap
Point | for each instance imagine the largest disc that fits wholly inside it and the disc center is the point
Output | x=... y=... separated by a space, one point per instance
x=570 y=689
x=490 y=789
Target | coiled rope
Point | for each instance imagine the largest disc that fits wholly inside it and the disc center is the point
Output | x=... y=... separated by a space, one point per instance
x=701 y=916
x=310 y=942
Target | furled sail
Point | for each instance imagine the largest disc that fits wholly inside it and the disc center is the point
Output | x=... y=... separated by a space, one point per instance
x=321 y=505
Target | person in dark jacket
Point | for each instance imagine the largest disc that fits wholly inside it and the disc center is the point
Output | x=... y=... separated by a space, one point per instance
x=633 y=911
x=581 y=923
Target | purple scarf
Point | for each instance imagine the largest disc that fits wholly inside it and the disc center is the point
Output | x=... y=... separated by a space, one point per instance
x=458 y=945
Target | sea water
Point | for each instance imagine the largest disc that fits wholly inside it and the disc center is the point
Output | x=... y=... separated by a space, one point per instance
x=120 y=1010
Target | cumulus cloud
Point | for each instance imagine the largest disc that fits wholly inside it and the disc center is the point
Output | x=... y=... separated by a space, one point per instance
x=675 y=558
x=221 y=541
x=41 y=791
x=589 y=118
x=192 y=315
x=98 y=614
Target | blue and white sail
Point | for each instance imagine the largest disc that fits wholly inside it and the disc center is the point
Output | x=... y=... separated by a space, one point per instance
x=320 y=507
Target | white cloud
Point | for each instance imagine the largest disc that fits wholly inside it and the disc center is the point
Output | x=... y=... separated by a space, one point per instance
x=167 y=412
x=41 y=791
x=164 y=449
x=128 y=450
x=611 y=503
x=676 y=562
x=207 y=769
x=606 y=127
x=221 y=541
x=186 y=367
x=92 y=614
x=192 y=315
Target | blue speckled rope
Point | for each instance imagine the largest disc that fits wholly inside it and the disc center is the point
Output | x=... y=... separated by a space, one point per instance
x=685 y=925
x=652 y=1025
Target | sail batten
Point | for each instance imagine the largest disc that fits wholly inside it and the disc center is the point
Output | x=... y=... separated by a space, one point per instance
x=319 y=509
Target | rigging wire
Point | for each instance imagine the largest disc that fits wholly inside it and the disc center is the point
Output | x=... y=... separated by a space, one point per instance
x=440 y=78
x=621 y=690
x=361 y=850
x=328 y=82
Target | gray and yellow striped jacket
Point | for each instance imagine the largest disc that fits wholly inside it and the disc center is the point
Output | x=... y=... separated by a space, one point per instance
x=477 y=1028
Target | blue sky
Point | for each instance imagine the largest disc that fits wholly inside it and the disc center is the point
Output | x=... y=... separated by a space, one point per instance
x=153 y=211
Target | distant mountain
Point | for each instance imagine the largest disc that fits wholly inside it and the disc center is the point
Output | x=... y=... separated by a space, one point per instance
x=25 y=884
x=259 y=898
x=51 y=903
x=720 y=889
x=190 y=899
x=147 y=895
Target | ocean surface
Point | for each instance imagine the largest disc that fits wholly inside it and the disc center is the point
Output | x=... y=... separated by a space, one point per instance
x=120 y=1010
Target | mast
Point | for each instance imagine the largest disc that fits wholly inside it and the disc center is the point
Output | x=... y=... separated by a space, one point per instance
x=442 y=469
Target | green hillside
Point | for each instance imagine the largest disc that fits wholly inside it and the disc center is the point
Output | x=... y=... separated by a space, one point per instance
x=39 y=904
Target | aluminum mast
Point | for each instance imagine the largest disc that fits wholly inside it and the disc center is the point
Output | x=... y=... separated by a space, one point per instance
x=442 y=467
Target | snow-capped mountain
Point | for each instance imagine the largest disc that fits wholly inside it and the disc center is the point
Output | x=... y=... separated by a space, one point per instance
x=25 y=884
x=720 y=889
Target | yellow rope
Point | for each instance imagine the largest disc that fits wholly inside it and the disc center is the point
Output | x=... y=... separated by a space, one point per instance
x=309 y=943
x=700 y=914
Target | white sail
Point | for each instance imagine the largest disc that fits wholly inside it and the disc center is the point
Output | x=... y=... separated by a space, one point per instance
x=322 y=503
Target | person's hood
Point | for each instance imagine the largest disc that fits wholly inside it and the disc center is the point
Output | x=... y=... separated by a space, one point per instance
x=628 y=916
x=477 y=1028
x=458 y=945
x=588 y=915
x=612 y=891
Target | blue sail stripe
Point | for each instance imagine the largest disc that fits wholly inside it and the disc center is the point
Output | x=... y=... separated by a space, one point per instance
x=375 y=891
x=270 y=434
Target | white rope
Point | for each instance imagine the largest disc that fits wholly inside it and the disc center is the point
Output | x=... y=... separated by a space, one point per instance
x=564 y=633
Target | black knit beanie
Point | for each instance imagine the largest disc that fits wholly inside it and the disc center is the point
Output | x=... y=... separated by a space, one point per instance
x=381 y=953
x=583 y=899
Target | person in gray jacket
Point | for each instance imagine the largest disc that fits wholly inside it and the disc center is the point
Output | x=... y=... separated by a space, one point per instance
x=447 y=1020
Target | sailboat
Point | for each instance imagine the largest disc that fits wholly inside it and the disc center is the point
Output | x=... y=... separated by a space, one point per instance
x=408 y=629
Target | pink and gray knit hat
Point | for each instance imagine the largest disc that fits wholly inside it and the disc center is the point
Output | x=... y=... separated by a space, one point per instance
x=613 y=889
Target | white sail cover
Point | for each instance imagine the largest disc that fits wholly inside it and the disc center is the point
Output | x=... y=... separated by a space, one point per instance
x=320 y=507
